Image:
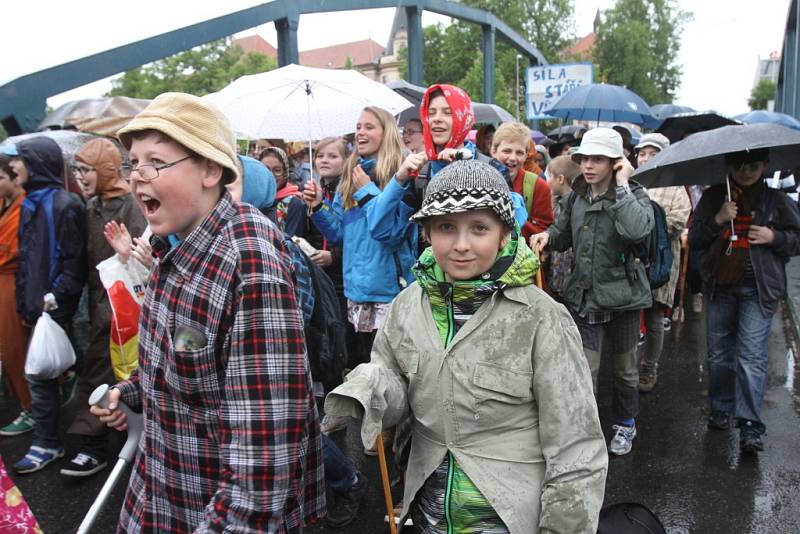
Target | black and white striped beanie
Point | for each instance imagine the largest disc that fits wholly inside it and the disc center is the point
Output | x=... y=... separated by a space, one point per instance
x=467 y=186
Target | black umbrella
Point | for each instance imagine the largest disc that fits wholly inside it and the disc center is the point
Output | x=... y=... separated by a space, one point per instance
x=677 y=126
x=568 y=132
x=663 y=111
x=700 y=158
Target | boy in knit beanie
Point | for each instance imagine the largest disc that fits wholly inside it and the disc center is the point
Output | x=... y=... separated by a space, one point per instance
x=505 y=433
x=223 y=379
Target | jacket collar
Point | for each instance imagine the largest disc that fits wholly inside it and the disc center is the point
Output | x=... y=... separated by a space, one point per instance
x=188 y=255
x=582 y=188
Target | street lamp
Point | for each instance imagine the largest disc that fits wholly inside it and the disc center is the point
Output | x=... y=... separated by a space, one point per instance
x=519 y=56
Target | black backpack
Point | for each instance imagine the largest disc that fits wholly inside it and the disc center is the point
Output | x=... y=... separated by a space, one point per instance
x=629 y=518
x=326 y=335
x=656 y=251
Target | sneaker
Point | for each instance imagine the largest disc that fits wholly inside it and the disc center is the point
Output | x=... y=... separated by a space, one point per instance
x=68 y=388
x=398 y=515
x=83 y=465
x=622 y=442
x=344 y=509
x=332 y=423
x=750 y=438
x=719 y=420
x=23 y=423
x=697 y=303
x=37 y=458
x=667 y=324
x=647 y=381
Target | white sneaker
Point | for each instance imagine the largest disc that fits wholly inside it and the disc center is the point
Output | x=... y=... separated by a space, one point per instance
x=622 y=442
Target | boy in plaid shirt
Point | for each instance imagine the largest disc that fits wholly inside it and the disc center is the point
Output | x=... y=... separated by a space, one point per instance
x=231 y=439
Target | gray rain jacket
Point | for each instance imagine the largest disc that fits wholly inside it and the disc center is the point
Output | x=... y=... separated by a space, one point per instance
x=510 y=397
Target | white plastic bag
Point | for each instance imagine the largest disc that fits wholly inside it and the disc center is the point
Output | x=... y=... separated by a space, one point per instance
x=125 y=288
x=50 y=352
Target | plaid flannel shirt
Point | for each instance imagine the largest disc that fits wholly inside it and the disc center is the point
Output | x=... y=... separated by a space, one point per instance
x=231 y=440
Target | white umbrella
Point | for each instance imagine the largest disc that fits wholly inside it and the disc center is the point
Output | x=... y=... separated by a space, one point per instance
x=302 y=103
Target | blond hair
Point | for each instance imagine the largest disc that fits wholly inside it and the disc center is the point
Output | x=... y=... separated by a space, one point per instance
x=389 y=158
x=564 y=165
x=511 y=132
x=340 y=143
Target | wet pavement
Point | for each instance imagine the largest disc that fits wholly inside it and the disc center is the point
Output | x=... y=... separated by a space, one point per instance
x=694 y=479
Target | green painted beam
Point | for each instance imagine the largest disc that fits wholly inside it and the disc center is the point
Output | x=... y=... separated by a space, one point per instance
x=23 y=100
x=416 y=64
x=488 y=45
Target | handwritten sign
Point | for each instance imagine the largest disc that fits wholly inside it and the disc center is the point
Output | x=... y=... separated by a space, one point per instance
x=544 y=85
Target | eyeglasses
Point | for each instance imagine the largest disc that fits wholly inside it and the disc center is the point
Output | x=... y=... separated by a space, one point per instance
x=82 y=169
x=147 y=173
x=407 y=131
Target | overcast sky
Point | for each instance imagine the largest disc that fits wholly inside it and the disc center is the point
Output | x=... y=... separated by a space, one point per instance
x=719 y=54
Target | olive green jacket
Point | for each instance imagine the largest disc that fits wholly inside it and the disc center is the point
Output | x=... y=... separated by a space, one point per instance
x=511 y=398
x=605 y=275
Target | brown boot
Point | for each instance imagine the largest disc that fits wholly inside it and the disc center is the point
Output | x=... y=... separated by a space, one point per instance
x=647 y=381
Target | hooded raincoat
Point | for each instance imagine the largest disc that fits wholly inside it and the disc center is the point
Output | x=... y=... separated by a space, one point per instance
x=113 y=201
x=606 y=276
x=510 y=409
x=52 y=246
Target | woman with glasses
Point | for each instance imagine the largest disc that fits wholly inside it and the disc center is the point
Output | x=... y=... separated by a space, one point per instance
x=289 y=208
x=109 y=198
x=412 y=136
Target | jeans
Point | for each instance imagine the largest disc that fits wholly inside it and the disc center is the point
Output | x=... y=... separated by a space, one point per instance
x=45 y=405
x=340 y=475
x=737 y=333
x=45 y=393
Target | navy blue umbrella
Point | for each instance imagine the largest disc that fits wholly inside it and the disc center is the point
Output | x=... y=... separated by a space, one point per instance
x=604 y=102
x=662 y=111
x=769 y=117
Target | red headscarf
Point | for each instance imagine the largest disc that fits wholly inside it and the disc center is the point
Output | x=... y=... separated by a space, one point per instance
x=463 y=118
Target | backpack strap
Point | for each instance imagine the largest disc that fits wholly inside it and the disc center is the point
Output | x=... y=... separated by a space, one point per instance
x=529 y=189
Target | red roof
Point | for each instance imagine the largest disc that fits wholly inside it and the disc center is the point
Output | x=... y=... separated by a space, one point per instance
x=255 y=43
x=582 y=48
x=335 y=57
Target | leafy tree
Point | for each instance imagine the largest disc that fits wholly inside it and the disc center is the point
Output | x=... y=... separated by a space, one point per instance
x=472 y=83
x=637 y=46
x=762 y=93
x=453 y=53
x=199 y=71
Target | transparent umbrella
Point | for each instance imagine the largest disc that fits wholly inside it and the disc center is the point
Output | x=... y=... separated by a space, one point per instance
x=95 y=115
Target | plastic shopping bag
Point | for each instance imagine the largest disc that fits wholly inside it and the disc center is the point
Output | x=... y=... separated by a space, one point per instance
x=50 y=352
x=125 y=292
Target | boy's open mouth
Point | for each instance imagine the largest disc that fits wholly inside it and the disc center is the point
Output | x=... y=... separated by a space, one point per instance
x=150 y=204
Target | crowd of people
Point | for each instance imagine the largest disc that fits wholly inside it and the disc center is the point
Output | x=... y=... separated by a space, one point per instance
x=392 y=279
